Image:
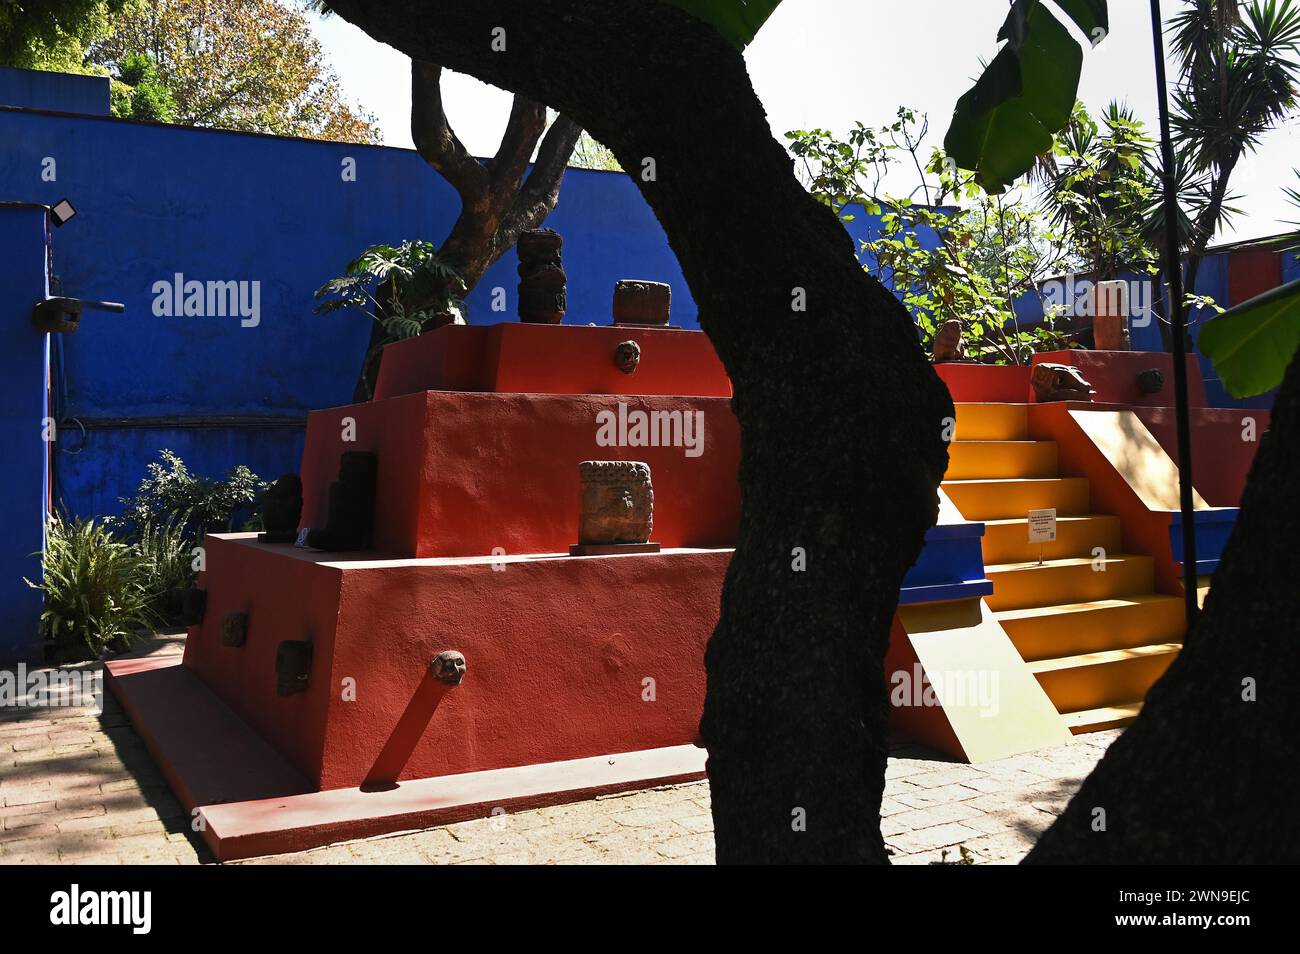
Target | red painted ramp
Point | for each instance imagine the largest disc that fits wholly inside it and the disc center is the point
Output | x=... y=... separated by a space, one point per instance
x=252 y=802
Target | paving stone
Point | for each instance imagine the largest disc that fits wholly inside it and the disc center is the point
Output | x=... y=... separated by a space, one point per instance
x=91 y=794
x=939 y=836
x=943 y=795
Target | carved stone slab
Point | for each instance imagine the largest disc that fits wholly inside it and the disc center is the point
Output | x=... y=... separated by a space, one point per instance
x=638 y=302
x=617 y=502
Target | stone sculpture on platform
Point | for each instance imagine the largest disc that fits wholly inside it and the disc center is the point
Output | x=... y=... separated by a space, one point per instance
x=1059 y=382
x=543 y=297
x=949 y=345
x=234 y=629
x=1151 y=381
x=1110 y=317
x=638 y=302
x=616 y=511
x=292 y=666
x=281 y=510
x=351 y=514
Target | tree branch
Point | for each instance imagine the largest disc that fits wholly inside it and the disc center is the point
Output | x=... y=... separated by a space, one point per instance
x=434 y=138
x=523 y=129
x=541 y=192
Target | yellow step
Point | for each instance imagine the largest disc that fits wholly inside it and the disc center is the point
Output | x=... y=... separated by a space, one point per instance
x=1105 y=717
x=982 y=459
x=1013 y=498
x=1007 y=541
x=1110 y=678
x=1071 y=629
x=991 y=422
x=1068 y=580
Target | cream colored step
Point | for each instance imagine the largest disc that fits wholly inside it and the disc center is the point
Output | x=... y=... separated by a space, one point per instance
x=1103 y=717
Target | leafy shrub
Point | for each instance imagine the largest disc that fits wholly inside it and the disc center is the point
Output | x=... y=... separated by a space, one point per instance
x=171 y=496
x=404 y=288
x=168 y=563
x=95 y=586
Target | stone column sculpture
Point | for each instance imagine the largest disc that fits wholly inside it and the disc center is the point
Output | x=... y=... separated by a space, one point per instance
x=616 y=510
x=1110 y=317
x=543 y=298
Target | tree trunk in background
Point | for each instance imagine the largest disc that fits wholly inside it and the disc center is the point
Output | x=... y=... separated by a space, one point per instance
x=841 y=416
x=1206 y=775
x=497 y=203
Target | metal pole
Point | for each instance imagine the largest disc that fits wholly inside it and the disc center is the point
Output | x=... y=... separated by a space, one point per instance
x=1177 y=320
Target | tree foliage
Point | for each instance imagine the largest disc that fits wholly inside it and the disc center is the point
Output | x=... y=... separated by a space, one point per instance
x=248 y=65
x=1239 y=78
x=960 y=255
x=1099 y=187
x=1027 y=93
x=52 y=34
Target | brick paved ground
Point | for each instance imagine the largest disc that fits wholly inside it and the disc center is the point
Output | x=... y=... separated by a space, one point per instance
x=76 y=787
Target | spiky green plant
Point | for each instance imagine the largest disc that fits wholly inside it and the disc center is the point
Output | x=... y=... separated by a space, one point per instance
x=168 y=555
x=95 y=586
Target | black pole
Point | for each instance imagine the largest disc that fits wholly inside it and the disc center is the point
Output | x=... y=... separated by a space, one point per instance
x=1177 y=321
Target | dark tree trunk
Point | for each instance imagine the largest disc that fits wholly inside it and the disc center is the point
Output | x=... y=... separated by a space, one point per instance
x=841 y=417
x=1205 y=775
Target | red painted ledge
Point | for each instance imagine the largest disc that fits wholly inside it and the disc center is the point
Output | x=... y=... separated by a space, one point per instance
x=253 y=803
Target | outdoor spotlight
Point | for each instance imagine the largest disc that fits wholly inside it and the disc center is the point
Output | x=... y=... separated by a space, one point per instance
x=61 y=212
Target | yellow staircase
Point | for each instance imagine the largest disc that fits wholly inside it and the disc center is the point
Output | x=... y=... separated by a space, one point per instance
x=1087 y=621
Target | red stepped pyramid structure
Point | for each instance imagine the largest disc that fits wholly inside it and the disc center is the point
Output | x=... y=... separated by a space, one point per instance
x=581 y=673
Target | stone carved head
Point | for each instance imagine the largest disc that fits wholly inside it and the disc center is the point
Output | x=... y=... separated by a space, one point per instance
x=627 y=356
x=448 y=666
x=1059 y=382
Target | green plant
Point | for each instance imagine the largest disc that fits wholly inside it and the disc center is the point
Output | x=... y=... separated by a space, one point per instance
x=138 y=93
x=1239 y=79
x=1293 y=196
x=1099 y=184
x=167 y=552
x=965 y=857
x=737 y=20
x=404 y=289
x=1252 y=344
x=172 y=497
x=95 y=586
x=1026 y=94
x=967 y=261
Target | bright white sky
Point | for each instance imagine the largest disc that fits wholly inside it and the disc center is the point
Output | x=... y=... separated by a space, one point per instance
x=827 y=63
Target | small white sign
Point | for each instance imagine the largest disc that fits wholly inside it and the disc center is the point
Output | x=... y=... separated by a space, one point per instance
x=1042 y=525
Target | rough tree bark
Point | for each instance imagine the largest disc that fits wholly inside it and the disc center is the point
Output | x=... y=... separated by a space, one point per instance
x=1206 y=775
x=841 y=416
x=497 y=203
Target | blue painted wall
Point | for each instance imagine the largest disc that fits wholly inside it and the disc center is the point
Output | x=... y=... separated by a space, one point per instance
x=22 y=411
x=155 y=200
x=60 y=92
